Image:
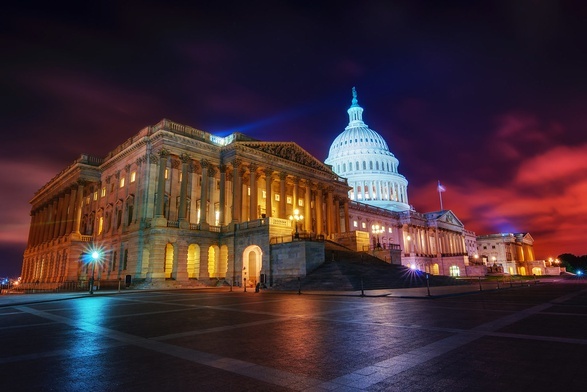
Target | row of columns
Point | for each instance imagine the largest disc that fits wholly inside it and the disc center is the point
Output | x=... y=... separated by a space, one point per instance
x=245 y=207
x=57 y=218
x=380 y=190
x=445 y=242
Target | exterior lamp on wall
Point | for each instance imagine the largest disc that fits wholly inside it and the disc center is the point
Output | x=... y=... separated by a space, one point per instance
x=376 y=230
x=295 y=218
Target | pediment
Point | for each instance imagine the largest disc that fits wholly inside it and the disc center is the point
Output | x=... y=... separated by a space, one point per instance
x=289 y=151
x=445 y=216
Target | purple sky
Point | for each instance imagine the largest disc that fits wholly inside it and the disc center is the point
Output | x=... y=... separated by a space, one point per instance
x=490 y=99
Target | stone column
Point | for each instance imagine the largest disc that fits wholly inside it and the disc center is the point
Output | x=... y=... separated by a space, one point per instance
x=57 y=216
x=71 y=211
x=211 y=196
x=347 y=221
x=307 y=206
x=79 y=205
x=319 y=211
x=204 y=193
x=294 y=201
x=163 y=156
x=253 y=197
x=268 y=188
x=185 y=163
x=329 y=212
x=236 y=191
x=222 y=196
x=63 y=218
x=336 y=215
x=282 y=195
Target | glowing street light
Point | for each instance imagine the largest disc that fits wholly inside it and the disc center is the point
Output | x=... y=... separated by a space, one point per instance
x=296 y=217
x=95 y=257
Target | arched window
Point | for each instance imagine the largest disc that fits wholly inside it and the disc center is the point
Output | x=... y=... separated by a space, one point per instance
x=344 y=167
x=357 y=165
x=364 y=165
x=377 y=165
x=370 y=165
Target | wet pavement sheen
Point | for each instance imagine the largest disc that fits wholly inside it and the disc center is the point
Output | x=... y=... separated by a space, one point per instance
x=522 y=338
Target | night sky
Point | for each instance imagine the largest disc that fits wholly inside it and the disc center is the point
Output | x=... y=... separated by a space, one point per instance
x=490 y=99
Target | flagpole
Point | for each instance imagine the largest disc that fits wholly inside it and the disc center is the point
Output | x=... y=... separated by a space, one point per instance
x=440 y=196
x=440 y=189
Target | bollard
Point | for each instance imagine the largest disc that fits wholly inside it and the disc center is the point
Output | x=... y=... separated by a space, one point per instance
x=428 y=284
x=362 y=291
x=480 y=288
x=299 y=286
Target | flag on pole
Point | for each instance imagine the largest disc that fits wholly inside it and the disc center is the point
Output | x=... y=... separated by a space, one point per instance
x=441 y=188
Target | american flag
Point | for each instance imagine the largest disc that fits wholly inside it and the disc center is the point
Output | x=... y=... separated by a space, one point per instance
x=441 y=188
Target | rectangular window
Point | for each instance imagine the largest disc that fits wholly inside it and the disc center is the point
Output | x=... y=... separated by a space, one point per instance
x=300 y=202
x=103 y=191
x=363 y=225
x=166 y=174
x=122 y=182
x=133 y=177
x=355 y=224
x=180 y=177
x=389 y=230
x=277 y=197
x=88 y=200
x=248 y=191
x=264 y=195
x=95 y=195
x=288 y=200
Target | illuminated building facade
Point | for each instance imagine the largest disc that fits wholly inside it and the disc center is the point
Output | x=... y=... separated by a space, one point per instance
x=512 y=253
x=174 y=202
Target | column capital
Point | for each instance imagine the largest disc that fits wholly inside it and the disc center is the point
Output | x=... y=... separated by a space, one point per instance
x=185 y=158
x=282 y=175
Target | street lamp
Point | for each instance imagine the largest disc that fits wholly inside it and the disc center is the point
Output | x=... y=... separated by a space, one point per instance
x=95 y=256
x=376 y=230
x=296 y=217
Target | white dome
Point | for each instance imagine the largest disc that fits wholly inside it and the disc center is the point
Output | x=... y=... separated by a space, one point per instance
x=361 y=155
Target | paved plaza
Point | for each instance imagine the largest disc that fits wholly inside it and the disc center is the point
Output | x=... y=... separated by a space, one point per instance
x=531 y=337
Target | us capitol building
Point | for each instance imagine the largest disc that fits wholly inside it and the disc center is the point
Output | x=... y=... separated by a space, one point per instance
x=175 y=202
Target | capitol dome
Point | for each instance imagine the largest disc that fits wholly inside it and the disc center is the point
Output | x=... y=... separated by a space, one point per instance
x=362 y=156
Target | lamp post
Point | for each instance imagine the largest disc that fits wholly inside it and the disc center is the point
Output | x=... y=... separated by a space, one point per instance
x=95 y=255
x=295 y=218
x=376 y=230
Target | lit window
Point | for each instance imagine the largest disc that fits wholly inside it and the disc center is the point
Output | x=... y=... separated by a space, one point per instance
x=288 y=200
x=133 y=176
x=363 y=225
x=264 y=194
x=249 y=191
x=87 y=200
x=122 y=182
x=277 y=197
x=355 y=224
x=100 y=225
x=389 y=230
x=166 y=174
x=180 y=177
x=103 y=191
x=300 y=202
x=95 y=195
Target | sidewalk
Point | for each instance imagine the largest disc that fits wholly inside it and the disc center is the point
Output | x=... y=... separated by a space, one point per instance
x=7 y=300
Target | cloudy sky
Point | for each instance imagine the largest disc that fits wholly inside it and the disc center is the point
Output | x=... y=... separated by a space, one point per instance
x=490 y=97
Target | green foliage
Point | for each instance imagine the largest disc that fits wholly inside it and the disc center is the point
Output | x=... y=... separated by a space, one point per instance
x=573 y=263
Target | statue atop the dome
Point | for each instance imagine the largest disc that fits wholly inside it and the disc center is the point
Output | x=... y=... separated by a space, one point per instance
x=354 y=101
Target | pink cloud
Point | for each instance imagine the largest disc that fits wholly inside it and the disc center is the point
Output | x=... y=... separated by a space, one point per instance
x=19 y=182
x=558 y=163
